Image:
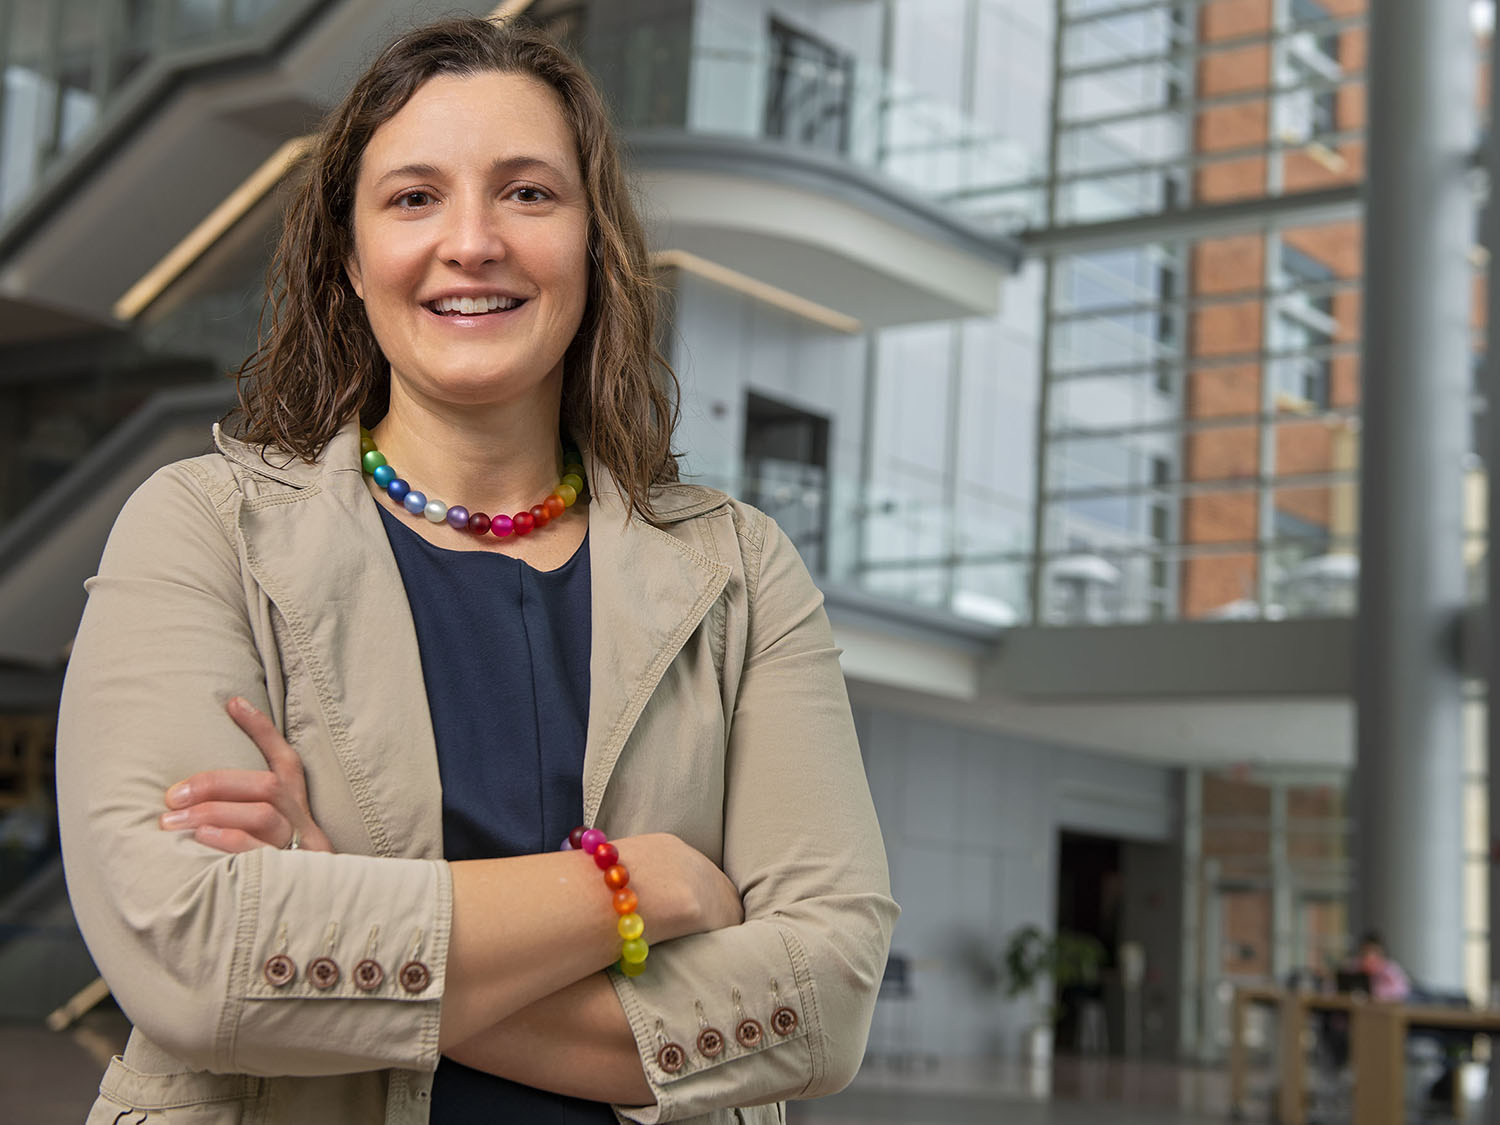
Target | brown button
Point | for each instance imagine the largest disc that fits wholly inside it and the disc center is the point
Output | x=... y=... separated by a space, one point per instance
x=323 y=973
x=671 y=1058
x=280 y=971
x=749 y=1033
x=415 y=976
x=784 y=1021
x=710 y=1042
x=368 y=975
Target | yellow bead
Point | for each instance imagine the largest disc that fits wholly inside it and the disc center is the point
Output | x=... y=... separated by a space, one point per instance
x=634 y=950
x=630 y=926
x=632 y=968
x=567 y=493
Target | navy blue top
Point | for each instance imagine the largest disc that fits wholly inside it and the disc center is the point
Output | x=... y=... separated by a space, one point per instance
x=505 y=655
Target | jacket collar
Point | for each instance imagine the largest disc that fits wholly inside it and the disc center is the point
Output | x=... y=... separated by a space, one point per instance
x=651 y=589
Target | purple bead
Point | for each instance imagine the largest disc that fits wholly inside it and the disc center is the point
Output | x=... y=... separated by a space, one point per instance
x=591 y=840
x=567 y=845
x=458 y=518
x=415 y=503
x=397 y=489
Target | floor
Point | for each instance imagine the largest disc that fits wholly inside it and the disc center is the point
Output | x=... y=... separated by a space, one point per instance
x=50 y=1079
x=1071 y=1092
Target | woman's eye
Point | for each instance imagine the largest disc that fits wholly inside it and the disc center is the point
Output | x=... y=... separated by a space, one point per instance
x=413 y=199
x=529 y=194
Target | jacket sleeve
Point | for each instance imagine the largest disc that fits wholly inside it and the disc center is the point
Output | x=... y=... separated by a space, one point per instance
x=802 y=844
x=183 y=933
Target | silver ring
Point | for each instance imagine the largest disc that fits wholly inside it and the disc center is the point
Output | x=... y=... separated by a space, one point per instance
x=294 y=844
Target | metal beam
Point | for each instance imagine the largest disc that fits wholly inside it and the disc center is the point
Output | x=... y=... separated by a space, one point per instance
x=1207 y=221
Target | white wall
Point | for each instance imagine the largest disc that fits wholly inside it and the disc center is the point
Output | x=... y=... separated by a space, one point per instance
x=971 y=823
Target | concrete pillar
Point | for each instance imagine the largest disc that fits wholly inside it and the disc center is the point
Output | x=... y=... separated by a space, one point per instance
x=1419 y=225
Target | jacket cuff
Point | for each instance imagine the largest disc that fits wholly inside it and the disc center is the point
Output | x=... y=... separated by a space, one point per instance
x=722 y=1019
x=328 y=931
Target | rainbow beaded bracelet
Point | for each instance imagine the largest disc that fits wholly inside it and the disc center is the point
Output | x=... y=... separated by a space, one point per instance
x=630 y=927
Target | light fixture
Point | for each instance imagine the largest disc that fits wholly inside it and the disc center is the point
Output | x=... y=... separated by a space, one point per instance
x=1482 y=17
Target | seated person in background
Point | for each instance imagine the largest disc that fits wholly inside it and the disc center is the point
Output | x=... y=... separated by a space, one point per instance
x=1387 y=980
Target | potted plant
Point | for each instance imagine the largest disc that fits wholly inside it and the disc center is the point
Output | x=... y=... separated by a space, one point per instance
x=1035 y=961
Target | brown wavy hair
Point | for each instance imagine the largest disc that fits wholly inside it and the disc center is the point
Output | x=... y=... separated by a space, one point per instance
x=317 y=363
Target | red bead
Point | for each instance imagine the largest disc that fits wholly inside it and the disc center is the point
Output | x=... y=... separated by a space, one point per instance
x=616 y=877
x=500 y=527
x=479 y=523
x=522 y=523
x=539 y=514
x=575 y=837
x=555 y=506
x=606 y=856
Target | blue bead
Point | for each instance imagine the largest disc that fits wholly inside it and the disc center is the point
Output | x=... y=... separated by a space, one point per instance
x=397 y=489
x=458 y=518
x=384 y=475
x=415 y=503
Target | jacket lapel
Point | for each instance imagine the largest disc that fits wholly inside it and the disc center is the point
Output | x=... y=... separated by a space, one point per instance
x=323 y=558
x=650 y=591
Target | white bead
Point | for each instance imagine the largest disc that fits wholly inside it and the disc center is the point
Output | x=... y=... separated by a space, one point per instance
x=436 y=511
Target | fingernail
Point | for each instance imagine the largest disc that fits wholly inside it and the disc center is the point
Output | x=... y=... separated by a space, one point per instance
x=179 y=794
x=240 y=704
x=174 y=819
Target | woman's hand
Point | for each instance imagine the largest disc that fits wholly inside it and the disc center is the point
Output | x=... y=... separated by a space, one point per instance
x=237 y=810
x=682 y=890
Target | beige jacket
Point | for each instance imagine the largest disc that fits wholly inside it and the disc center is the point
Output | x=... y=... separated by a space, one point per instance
x=717 y=712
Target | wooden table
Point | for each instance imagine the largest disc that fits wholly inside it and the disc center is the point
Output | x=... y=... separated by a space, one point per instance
x=1292 y=1006
x=1245 y=998
x=1379 y=1045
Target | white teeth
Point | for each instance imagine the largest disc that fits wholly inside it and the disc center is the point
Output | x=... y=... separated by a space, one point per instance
x=472 y=306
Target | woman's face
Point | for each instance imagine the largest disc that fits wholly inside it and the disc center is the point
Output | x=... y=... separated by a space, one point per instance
x=471 y=240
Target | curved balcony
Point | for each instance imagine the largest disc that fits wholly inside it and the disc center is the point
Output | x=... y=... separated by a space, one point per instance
x=793 y=167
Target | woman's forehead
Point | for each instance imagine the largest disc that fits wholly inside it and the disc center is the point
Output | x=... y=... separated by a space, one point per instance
x=452 y=122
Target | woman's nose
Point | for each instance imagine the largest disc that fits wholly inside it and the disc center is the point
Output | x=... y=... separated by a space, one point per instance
x=472 y=235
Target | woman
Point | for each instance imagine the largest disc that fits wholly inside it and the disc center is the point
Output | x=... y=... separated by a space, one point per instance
x=441 y=694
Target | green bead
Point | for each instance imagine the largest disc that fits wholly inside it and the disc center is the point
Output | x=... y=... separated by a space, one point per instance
x=634 y=950
x=630 y=926
x=632 y=968
x=573 y=481
x=373 y=460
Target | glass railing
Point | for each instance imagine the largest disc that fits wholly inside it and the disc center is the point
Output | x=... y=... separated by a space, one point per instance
x=65 y=62
x=727 y=77
x=952 y=551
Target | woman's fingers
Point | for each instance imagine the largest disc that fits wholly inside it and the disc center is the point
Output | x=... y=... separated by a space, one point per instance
x=263 y=822
x=227 y=839
x=280 y=755
x=225 y=785
x=235 y=810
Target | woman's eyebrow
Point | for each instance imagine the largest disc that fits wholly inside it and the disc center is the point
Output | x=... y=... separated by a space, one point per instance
x=501 y=164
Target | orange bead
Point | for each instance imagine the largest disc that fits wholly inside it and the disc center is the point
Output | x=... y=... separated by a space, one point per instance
x=554 y=505
x=625 y=901
x=616 y=877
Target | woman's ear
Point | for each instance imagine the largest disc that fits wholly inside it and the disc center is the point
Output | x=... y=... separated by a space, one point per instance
x=356 y=278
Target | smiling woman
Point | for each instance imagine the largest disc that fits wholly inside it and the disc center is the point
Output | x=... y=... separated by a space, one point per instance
x=330 y=745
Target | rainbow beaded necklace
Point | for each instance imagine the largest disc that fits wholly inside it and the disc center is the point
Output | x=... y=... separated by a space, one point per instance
x=563 y=497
